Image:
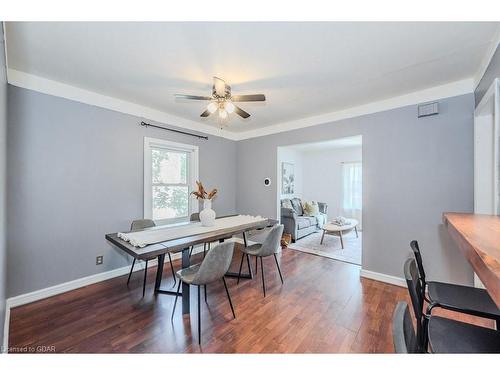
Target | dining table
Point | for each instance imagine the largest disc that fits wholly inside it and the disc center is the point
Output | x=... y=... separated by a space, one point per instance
x=182 y=244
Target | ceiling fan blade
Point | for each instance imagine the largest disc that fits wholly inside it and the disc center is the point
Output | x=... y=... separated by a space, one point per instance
x=206 y=113
x=248 y=98
x=193 y=97
x=241 y=112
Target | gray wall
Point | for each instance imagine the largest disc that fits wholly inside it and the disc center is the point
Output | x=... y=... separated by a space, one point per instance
x=492 y=72
x=413 y=170
x=3 y=156
x=76 y=173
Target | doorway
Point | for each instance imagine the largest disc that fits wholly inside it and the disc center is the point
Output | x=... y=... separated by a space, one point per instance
x=320 y=197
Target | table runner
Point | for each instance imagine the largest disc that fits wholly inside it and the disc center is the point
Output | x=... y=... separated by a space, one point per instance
x=162 y=234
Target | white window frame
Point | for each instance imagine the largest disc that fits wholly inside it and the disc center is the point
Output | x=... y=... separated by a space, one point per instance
x=192 y=177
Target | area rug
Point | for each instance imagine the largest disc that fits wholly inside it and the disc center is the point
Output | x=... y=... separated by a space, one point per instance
x=331 y=247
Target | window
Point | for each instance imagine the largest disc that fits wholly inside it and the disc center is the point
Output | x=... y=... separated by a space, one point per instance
x=352 y=194
x=170 y=172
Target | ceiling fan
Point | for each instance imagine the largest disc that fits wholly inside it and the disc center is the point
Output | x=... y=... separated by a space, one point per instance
x=222 y=101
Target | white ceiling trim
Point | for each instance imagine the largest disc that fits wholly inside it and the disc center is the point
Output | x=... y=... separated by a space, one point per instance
x=487 y=59
x=50 y=87
x=435 y=93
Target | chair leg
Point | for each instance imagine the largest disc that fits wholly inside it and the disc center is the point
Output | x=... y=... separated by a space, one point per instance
x=205 y=290
x=228 y=296
x=249 y=267
x=191 y=251
x=278 y=265
x=263 y=281
x=130 y=273
x=144 y=282
x=172 y=268
x=256 y=259
x=498 y=324
x=199 y=316
x=241 y=265
x=175 y=301
x=204 y=250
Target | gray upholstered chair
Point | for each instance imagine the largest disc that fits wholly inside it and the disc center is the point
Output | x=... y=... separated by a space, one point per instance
x=265 y=249
x=206 y=246
x=213 y=267
x=403 y=334
x=136 y=226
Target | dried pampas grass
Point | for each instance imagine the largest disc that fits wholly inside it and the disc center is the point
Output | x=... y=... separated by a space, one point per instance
x=201 y=193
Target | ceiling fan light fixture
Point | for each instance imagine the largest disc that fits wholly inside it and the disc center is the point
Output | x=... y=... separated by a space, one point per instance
x=212 y=107
x=223 y=114
x=221 y=101
x=229 y=107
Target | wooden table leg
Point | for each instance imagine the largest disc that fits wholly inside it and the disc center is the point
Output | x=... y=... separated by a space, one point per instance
x=341 y=239
x=185 y=287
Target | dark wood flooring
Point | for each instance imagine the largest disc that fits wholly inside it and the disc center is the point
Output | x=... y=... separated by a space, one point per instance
x=323 y=307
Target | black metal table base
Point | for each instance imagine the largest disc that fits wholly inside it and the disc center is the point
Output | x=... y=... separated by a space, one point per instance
x=185 y=287
x=248 y=275
x=235 y=275
x=169 y=292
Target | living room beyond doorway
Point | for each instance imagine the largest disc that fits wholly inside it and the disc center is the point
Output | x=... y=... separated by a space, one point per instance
x=320 y=198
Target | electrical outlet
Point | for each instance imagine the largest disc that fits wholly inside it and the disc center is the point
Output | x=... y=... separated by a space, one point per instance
x=99 y=259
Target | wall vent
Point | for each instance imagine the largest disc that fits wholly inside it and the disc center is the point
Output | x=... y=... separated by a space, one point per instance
x=428 y=109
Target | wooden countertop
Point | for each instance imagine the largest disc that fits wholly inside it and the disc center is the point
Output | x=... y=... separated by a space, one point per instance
x=478 y=238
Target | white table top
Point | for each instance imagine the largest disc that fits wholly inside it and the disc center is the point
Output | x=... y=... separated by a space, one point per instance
x=331 y=227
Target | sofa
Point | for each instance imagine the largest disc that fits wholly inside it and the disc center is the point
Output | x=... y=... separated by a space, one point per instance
x=296 y=222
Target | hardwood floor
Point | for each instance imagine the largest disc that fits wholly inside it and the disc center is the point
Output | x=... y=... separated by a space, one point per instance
x=323 y=307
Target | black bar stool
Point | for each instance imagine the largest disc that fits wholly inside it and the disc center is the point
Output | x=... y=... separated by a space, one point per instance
x=460 y=298
x=444 y=335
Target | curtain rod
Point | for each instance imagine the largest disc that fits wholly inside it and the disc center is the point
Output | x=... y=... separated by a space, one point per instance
x=173 y=130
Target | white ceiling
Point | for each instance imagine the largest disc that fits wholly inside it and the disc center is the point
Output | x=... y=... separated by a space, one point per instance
x=304 y=69
x=331 y=144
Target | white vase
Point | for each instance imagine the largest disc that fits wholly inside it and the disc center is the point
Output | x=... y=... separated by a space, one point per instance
x=207 y=215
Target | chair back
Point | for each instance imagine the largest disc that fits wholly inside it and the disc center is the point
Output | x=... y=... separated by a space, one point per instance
x=141 y=224
x=418 y=257
x=215 y=264
x=403 y=334
x=195 y=216
x=416 y=295
x=272 y=241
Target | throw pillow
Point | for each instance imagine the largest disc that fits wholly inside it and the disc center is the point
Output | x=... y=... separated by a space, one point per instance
x=286 y=203
x=311 y=208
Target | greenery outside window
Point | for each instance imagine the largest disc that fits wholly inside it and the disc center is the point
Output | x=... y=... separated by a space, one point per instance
x=170 y=172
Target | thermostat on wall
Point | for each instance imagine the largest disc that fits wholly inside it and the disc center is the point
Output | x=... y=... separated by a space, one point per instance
x=267 y=181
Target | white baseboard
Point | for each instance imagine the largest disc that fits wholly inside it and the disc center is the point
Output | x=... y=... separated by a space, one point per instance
x=383 y=278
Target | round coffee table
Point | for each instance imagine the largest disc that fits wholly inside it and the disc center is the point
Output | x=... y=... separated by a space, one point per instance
x=340 y=230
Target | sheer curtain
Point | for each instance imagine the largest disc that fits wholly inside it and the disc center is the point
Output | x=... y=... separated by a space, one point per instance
x=352 y=199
